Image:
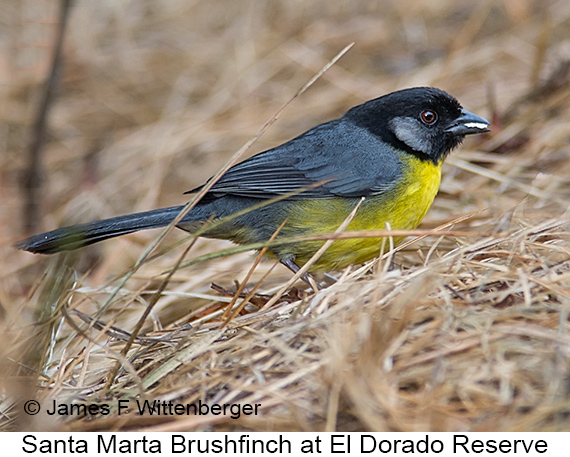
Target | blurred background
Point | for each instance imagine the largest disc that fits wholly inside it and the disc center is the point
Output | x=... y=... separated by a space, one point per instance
x=153 y=97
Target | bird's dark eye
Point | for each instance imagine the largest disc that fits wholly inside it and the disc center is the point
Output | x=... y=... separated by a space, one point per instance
x=428 y=116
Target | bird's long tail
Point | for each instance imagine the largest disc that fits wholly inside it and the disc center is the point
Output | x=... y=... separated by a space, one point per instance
x=76 y=236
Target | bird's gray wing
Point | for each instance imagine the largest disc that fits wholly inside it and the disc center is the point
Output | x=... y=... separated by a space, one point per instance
x=350 y=160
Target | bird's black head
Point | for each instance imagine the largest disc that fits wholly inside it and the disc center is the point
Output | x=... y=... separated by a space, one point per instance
x=423 y=121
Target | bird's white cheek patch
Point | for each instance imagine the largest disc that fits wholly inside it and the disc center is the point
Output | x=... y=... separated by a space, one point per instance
x=409 y=132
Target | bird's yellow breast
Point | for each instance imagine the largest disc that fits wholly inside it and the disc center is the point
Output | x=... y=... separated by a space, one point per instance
x=402 y=208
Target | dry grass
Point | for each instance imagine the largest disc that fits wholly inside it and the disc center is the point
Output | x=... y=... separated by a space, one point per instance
x=447 y=333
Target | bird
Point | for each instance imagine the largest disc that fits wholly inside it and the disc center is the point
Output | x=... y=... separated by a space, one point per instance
x=385 y=154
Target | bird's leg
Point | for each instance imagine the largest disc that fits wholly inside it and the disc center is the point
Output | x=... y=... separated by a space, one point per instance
x=306 y=277
x=330 y=279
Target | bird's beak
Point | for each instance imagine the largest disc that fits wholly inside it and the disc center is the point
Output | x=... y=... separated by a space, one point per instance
x=468 y=123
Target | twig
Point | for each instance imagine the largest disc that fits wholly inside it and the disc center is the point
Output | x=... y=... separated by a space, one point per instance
x=32 y=178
